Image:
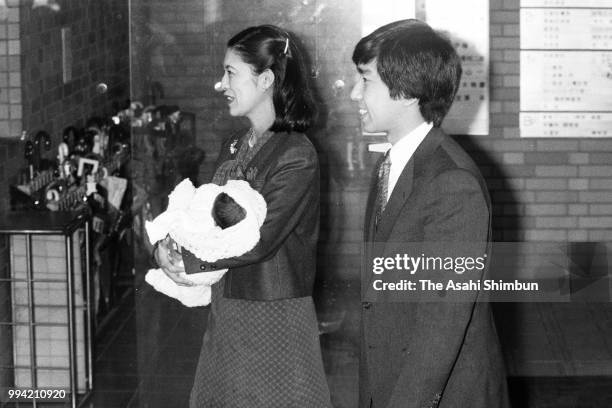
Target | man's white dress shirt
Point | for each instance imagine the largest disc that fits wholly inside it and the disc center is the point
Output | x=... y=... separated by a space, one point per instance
x=402 y=151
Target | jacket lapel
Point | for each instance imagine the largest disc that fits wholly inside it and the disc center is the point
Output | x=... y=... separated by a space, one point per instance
x=404 y=186
x=266 y=150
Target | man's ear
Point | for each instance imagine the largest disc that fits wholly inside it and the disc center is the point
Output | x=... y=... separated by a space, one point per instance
x=265 y=79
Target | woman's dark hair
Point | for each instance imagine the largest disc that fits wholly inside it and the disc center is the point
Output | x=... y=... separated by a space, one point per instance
x=226 y=211
x=269 y=47
x=414 y=61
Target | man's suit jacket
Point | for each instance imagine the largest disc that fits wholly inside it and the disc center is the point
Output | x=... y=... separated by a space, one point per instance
x=440 y=353
x=282 y=265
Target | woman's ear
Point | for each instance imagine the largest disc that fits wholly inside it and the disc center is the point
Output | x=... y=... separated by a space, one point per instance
x=265 y=79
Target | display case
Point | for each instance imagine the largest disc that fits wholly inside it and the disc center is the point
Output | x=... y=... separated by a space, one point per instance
x=50 y=317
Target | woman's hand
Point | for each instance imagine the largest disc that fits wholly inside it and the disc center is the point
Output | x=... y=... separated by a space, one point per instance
x=170 y=261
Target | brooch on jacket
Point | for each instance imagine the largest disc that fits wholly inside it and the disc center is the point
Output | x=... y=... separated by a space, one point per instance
x=232 y=148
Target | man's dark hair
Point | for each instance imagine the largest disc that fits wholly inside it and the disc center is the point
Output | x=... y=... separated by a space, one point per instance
x=270 y=47
x=226 y=211
x=414 y=61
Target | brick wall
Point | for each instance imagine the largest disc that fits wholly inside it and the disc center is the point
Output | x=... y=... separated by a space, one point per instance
x=10 y=93
x=543 y=189
x=100 y=54
x=10 y=72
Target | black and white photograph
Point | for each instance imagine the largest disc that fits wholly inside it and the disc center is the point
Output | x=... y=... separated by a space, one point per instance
x=305 y=203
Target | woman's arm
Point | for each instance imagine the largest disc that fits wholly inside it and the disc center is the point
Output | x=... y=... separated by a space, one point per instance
x=288 y=191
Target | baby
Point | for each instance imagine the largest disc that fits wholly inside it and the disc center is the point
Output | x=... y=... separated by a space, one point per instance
x=212 y=222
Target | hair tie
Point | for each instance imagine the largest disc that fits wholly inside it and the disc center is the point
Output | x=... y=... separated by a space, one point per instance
x=286 y=46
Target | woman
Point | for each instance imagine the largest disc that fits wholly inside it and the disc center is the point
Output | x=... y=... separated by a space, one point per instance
x=261 y=347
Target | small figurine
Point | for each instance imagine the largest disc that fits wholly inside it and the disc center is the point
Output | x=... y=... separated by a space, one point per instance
x=91 y=185
x=28 y=154
x=42 y=141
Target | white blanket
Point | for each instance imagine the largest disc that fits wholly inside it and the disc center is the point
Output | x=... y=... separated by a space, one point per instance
x=188 y=220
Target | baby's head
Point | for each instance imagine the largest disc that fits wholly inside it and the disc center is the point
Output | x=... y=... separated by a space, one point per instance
x=226 y=211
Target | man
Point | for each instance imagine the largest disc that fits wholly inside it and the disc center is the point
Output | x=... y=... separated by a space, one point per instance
x=422 y=354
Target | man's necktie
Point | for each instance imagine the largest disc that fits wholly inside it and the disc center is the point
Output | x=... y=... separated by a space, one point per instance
x=382 y=186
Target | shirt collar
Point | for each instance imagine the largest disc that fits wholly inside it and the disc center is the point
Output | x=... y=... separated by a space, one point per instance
x=401 y=152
